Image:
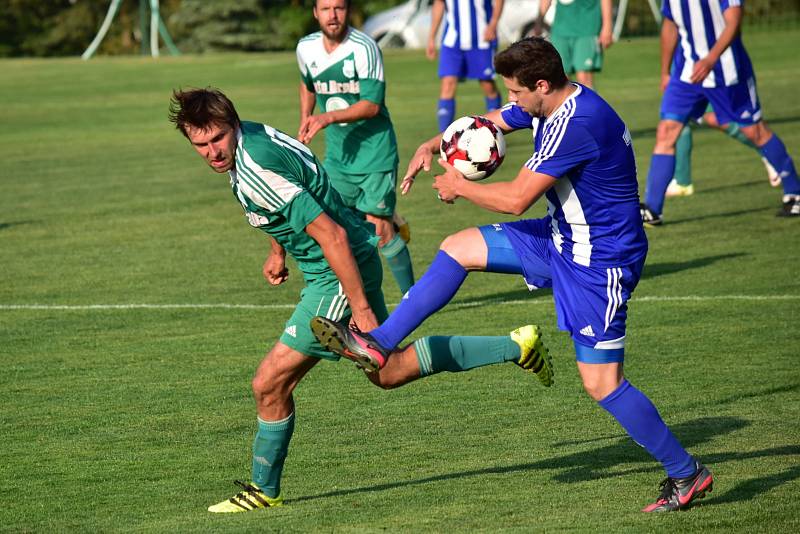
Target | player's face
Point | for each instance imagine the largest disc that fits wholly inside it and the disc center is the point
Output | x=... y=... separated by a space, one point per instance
x=332 y=18
x=216 y=144
x=528 y=99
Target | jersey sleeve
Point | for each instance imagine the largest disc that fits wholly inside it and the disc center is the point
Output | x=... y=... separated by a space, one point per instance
x=562 y=149
x=301 y=211
x=725 y=4
x=369 y=69
x=305 y=75
x=515 y=117
x=666 y=10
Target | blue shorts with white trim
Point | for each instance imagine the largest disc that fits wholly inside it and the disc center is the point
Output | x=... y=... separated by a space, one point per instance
x=737 y=103
x=591 y=302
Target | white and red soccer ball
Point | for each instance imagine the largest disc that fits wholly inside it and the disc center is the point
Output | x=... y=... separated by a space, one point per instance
x=473 y=145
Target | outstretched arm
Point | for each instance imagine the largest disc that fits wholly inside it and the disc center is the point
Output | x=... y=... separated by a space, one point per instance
x=606 y=37
x=424 y=155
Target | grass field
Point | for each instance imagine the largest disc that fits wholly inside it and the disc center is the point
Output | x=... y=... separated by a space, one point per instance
x=124 y=393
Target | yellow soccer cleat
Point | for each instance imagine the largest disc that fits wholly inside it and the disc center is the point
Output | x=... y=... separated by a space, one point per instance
x=534 y=356
x=401 y=227
x=250 y=499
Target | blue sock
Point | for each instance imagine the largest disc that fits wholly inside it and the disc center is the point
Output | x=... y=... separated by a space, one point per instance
x=662 y=168
x=435 y=289
x=446 y=112
x=640 y=419
x=493 y=103
x=775 y=152
x=270 y=447
x=399 y=260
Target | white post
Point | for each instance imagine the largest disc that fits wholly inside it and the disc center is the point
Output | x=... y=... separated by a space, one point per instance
x=112 y=10
x=154 y=17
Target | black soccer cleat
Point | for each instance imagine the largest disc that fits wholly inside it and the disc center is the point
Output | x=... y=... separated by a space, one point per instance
x=791 y=206
x=649 y=217
x=678 y=493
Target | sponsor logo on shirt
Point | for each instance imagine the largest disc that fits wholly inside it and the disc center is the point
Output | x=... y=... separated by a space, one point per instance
x=332 y=87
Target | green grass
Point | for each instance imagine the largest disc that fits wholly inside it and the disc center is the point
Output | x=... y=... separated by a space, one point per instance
x=138 y=419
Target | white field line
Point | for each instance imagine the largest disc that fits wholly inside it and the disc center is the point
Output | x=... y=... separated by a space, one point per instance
x=465 y=304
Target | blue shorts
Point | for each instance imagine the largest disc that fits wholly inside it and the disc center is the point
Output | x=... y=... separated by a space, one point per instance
x=476 y=64
x=738 y=103
x=591 y=302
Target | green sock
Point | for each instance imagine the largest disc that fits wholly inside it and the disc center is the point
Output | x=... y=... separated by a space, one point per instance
x=732 y=129
x=683 y=157
x=461 y=353
x=269 y=452
x=399 y=260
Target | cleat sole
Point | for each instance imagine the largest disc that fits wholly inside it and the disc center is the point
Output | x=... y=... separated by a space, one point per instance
x=329 y=336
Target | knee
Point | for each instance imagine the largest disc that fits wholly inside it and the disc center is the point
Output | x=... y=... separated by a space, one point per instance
x=598 y=388
x=268 y=390
x=666 y=135
x=448 y=89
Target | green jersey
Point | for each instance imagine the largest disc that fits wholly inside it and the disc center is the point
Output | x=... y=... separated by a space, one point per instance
x=283 y=187
x=577 y=18
x=352 y=72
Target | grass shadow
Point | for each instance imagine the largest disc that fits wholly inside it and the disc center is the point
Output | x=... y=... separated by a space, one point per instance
x=7 y=225
x=606 y=461
x=653 y=270
x=722 y=215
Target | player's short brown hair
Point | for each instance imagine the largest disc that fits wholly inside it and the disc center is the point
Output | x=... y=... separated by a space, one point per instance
x=201 y=108
x=530 y=60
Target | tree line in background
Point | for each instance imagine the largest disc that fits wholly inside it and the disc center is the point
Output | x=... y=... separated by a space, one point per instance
x=66 y=27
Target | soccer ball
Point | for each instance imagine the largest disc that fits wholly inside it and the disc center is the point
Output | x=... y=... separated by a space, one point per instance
x=473 y=145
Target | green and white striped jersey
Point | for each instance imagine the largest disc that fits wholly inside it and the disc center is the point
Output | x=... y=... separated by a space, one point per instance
x=352 y=72
x=283 y=187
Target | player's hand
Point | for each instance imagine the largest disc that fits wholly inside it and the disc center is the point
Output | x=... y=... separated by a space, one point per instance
x=490 y=33
x=364 y=320
x=420 y=161
x=430 y=50
x=446 y=184
x=701 y=69
x=664 y=82
x=275 y=270
x=606 y=38
x=311 y=126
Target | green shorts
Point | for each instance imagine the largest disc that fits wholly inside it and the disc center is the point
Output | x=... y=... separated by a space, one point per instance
x=579 y=54
x=372 y=193
x=327 y=299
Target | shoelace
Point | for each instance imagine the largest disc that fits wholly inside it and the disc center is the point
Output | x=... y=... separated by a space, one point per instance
x=250 y=492
x=668 y=489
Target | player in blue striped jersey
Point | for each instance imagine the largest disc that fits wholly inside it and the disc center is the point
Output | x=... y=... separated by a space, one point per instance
x=590 y=248
x=469 y=41
x=711 y=65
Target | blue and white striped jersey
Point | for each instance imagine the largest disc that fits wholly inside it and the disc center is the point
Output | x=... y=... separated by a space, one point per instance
x=700 y=23
x=465 y=22
x=594 y=205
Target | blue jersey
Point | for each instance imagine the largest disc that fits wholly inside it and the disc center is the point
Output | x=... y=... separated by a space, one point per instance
x=700 y=23
x=465 y=22
x=594 y=205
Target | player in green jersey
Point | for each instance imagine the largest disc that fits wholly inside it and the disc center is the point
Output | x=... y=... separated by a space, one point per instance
x=342 y=75
x=581 y=30
x=286 y=193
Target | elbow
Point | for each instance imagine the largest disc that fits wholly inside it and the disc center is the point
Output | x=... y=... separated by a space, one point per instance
x=519 y=206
